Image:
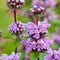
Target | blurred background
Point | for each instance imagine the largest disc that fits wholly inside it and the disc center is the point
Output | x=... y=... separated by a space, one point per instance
x=7 y=42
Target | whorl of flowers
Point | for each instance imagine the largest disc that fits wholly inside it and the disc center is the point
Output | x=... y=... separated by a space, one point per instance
x=53 y=55
x=16 y=27
x=40 y=45
x=13 y=56
x=16 y=4
x=35 y=31
x=37 y=9
x=37 y=41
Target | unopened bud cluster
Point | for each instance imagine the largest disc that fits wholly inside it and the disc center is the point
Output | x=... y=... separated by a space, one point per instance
x=37 y=10
x=15 y=3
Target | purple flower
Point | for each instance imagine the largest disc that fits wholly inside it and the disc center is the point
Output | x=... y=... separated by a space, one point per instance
x=53 y=55
x=16 y=27
x=4 y=57
x=50 y=3
x=37 y=36
x=39 y=45
x=13 y=56
x=43 y=44
x=38 y=7
x=45 y=24
x=27 y=44
x=36 y=31
x=22 y=0
x=32 y=28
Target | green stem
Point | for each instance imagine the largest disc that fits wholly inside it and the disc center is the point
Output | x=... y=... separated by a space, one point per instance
x=15 y=50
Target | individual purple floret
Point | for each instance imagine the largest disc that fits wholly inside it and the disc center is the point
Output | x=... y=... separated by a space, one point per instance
x=39 y=45
x=35 y=31
x=13 y=56
x=16 y=27
x=16 y=4
x=53 y=55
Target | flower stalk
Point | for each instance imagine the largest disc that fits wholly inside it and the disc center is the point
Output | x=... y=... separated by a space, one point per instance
x=15 y=15
x=35 y=21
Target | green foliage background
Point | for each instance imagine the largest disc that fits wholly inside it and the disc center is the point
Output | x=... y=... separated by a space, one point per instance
x=5 y=20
